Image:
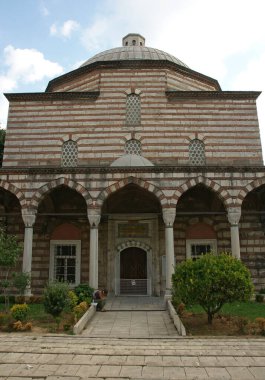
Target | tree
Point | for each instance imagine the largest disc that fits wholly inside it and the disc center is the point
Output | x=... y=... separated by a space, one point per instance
x=10 y=251
x=2 y=144
x=211 y=281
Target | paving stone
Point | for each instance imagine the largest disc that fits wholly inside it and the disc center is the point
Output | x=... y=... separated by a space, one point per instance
x=131 y=371
x=116 y=360
x=217 y=373
x=174 y=373
x=88 y=370
x=46 y=369
x=240 y=373
x=174 y=361
x=153 y=360
x=135 y=360
x=23 y=369
x=152 y=372
x=67 y=369
x=196 y=373
x=109 y=370
x=190 y=361
x=61 y=378
x=258 y=372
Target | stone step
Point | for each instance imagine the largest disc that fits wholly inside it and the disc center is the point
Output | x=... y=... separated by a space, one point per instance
x=75 y=358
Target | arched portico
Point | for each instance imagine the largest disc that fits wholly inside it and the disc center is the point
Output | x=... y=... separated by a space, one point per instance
x=201 y=221
x=39 y=195
x=210 y=184
x=131 y=217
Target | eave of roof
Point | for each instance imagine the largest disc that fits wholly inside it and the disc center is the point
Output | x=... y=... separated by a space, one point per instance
x=132 y=64
x=142 y=169
x=44 y=96
x=178 y=95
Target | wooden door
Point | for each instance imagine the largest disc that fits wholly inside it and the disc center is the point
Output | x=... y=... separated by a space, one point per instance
x=133 y=271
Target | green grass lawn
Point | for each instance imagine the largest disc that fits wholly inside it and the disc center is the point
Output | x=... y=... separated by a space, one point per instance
x=250 y=310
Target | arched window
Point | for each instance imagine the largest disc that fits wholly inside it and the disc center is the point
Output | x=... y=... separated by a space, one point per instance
x=197 y=152
x=69 y=153
x=133 y=146
x=133 y=109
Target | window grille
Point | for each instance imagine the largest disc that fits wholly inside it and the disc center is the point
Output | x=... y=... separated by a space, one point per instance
x=69 y=153
x=133 y=109
x=197 y=152
x=199 y=247
x=133 y=146
x=65 y=261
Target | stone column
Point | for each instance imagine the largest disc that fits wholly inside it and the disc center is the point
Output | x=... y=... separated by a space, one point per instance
x=169 y=217
x=94 y=220
x=29 y=217
x=233 y=215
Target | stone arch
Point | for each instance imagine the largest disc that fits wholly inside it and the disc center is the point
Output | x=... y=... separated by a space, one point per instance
x=137 y=181
x=221 y=192
x=248 y=188
x=40 y=193
x=133 y=243
x=15 y=191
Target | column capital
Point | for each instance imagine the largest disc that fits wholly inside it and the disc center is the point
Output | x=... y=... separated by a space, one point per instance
x=93 y=217
x=169 y=215
x=29 y=217
x=233 y=215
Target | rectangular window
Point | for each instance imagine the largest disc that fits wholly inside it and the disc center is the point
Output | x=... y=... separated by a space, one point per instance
x=199 y=247
x=65 y=261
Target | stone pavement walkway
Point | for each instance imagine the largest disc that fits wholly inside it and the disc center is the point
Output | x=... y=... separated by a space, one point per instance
x=25 y=357
x=128 y=324
x=138 y=342
x=115 y=303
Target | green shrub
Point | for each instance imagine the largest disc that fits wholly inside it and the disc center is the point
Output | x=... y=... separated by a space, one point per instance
x=4 y=319
x=84 y=293
x=211 y=281
x=259 y=297
x=19 y=311
x=262 y=291
x=55 y=298
x=73 y=299
x=21 y=281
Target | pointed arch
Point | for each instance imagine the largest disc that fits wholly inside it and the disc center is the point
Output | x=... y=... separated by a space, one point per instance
x=137 y=181
x=40 y=193
x=15 y=191
x=221 y=192
x=248 y=188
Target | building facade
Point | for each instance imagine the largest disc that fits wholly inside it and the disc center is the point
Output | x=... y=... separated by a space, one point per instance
x=128 y=165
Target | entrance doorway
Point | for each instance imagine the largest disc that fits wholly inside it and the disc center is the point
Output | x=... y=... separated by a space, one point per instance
x=133 y=271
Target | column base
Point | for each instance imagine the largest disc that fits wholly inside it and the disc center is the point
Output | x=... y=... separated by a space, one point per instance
x=168 y=294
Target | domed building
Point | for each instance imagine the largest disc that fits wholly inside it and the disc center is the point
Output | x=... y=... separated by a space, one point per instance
x=128 y=165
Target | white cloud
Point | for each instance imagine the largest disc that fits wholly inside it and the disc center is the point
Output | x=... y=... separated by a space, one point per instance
x=44 y=10
x=94 y=36
x=28 y=65
x=23 y=66
x=77 y=64
x=53 y=30
x=65 y=30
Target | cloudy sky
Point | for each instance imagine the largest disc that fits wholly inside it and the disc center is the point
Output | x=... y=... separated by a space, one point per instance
x=42 y=39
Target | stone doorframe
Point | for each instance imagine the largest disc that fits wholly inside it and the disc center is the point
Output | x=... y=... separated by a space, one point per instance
x=130 y=244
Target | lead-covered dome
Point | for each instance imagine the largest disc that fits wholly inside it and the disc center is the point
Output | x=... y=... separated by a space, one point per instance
x=133 y=49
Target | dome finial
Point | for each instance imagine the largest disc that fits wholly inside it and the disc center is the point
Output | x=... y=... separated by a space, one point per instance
x=133 y=39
